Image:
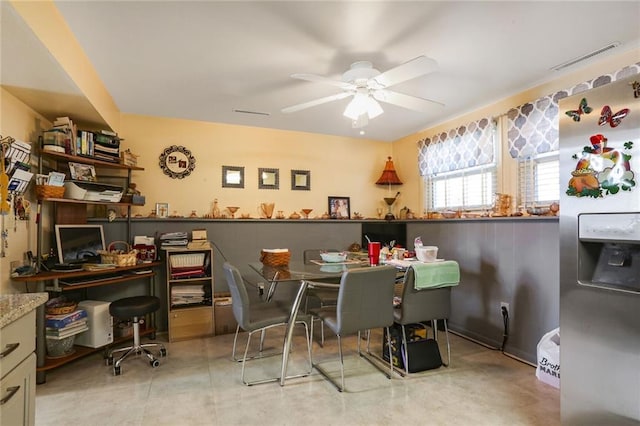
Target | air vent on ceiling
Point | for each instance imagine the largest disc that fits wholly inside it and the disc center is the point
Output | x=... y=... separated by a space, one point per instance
x=585 y=57
x=244 y=111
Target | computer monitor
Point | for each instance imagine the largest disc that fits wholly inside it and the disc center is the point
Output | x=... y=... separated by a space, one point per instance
x=79 y=243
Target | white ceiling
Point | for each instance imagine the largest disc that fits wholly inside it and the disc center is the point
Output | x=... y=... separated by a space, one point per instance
x=201 y=60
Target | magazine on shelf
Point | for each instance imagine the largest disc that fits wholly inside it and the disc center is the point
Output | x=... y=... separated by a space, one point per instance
x=59 y=321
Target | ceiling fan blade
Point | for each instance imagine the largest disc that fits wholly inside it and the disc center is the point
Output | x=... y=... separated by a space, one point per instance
x=320 y=79
x=409 y=70
x=316 y=102
x=406 y=101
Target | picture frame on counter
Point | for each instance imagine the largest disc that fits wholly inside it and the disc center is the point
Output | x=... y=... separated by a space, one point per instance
x=339 y=207
x=162 y=210
x=300 y=180
x=268 y=178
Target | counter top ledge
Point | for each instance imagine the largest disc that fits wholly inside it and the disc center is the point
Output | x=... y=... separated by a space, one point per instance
x=14 y=306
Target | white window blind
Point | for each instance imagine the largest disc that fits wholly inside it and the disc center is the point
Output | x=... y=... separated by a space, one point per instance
x=538 y=180
x=459 y=167
x=465 y=190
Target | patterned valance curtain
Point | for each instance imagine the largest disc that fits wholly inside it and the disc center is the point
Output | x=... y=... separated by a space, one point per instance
x=464 y=147
x=532 y=128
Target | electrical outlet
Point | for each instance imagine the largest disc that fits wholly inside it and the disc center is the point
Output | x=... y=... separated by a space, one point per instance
x=506 y=306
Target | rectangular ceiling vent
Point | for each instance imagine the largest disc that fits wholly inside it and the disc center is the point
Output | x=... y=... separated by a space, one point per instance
x=585 y=57
x=244 y=111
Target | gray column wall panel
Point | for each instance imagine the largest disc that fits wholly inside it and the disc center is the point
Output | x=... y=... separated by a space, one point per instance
x=510 y=260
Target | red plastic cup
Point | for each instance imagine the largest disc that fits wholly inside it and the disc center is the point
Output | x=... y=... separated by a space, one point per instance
x=374 y=254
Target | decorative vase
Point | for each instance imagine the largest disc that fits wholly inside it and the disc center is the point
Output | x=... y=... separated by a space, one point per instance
x=216 y=209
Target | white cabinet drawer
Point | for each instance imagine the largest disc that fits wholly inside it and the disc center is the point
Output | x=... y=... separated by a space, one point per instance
x=18 y=392
x=17 y=341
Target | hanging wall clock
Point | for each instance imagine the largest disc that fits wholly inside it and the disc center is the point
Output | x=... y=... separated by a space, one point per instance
x=177 y=162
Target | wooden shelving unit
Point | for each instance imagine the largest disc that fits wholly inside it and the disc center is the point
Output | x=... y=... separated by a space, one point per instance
x=190 y=320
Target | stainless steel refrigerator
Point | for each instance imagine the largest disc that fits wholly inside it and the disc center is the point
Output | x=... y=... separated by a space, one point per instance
x=600 y=255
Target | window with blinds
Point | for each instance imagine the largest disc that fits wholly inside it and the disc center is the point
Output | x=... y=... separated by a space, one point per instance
x=459 y=167
x=539 y=180
x=462 y=190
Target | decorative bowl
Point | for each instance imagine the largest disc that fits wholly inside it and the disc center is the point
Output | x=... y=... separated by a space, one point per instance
x=333 y=257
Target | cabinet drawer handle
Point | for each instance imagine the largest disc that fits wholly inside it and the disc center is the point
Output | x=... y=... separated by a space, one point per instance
x=12 y=391
x=10 y=348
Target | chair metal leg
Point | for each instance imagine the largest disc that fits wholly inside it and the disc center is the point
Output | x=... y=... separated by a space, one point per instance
x=341 y=388
x=389 y=349
x=405 y=351
x=235 y=340
x=446 y=333
x=274 y=379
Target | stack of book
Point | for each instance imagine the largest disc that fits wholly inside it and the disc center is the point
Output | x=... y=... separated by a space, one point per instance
x=173 y=239
x=187 y=295
x=103 y=145
x=66 y=126
x=66 y=325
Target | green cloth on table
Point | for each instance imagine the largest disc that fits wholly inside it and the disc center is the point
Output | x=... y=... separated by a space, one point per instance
x=436 y=274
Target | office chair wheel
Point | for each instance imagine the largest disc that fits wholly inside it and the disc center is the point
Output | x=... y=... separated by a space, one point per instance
x=163 y=353
x=109 y=360
x=117 y=371
x=154 y=363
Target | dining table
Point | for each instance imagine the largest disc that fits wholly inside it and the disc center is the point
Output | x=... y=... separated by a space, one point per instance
x=305 y=275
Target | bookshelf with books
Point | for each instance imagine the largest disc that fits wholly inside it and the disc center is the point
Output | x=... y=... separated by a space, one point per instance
x=190 y=292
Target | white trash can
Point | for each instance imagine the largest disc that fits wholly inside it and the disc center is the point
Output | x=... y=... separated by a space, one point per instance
x=548 y=370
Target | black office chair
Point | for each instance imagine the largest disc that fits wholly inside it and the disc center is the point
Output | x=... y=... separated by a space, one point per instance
x=422 y=305
x=253 y=316
x=365 y=301
x=135 y=308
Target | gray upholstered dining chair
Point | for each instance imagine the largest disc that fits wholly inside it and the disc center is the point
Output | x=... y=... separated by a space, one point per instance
x=422 y=305
x=320 y=297
x=253 y=316
x=365 y=301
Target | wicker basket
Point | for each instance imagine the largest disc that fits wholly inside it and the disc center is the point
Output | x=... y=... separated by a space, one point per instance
x=60 y=306
x=126 y=257
x=191 y=260
x=48 y=191
x=275 y=259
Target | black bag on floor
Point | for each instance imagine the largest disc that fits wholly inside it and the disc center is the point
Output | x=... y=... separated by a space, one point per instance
x=424 y=353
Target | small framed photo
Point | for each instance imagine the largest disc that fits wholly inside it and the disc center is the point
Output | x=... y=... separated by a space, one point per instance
x=339 y=208
x=162 y=210
x=86 y=172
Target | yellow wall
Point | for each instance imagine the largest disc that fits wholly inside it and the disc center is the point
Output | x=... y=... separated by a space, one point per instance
x=339 y=166
x=22 y=123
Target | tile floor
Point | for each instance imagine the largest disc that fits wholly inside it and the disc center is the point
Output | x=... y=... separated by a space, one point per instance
x=198 y=384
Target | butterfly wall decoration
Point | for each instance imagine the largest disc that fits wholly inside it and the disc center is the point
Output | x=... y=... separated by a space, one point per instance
x=614 y=119
x=583 y=108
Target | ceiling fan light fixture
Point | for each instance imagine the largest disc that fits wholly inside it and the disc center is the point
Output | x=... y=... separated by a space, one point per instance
x=374 y=108
x=362 y=104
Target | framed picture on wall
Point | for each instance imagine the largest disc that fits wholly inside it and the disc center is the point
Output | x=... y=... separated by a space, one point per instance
x=300 y=180
x=339 y=207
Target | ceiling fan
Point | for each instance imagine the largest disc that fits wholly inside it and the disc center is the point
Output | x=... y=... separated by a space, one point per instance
x=367 y=85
